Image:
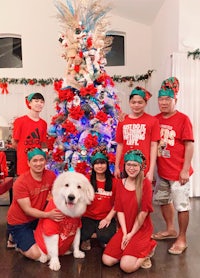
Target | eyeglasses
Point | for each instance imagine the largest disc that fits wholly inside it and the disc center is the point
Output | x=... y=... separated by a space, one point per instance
x=133 y=165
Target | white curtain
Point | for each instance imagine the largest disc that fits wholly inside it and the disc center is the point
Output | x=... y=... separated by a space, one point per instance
x=187 y=70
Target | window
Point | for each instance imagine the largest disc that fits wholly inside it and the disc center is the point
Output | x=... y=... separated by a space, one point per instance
x=116 y=57
x=10 y=51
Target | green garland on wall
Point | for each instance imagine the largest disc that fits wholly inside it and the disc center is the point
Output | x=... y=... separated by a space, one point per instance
x=195 y=54
x=5 y=81
x=50 y=81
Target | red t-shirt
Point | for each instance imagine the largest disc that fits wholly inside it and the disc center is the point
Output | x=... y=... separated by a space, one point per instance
x=103 y=201
x=29 y=134
x=66 y=229
x=138 y=134
x=141 y=243
x=37 y=191
x=174 y=131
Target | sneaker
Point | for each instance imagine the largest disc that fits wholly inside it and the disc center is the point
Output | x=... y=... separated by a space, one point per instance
x=146 y=263
x=86 y=245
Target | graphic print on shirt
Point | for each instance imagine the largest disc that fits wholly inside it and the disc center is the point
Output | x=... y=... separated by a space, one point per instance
x=33 y=139
x=101 y=194
x=167 y=135
x=133 y=133
x=68 y=228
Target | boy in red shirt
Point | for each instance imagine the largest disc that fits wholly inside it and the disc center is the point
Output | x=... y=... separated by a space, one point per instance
x=29 y=131
x=138 y=130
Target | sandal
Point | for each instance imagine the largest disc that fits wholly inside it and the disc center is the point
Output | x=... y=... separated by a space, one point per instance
x=146 y=263
x=177 y=250
x=10 y=244
x=164 y=235
x=86 y=245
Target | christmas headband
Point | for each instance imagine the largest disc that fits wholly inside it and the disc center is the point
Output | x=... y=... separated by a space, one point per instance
x=34 y=152
x=168 y=93
x=141 y=92
x=134 y=155
x=98 y=155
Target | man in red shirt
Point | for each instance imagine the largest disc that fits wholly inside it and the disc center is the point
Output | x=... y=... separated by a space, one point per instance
x=175 y=153
x=30 y=192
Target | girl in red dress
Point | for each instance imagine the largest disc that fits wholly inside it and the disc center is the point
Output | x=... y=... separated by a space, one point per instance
x=132 y=245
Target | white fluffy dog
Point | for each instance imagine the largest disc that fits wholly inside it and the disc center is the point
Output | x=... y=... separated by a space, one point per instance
x=72 y=192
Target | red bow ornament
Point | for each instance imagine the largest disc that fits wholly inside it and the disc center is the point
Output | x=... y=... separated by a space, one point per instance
x=4 y=87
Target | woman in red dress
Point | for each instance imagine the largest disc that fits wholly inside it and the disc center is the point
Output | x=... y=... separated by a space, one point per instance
x=132 y=245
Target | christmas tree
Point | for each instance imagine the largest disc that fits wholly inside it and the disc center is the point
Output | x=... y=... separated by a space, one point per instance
x=87 y=105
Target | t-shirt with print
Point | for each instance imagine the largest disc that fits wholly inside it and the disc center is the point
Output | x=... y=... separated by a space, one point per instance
x=174 y=131
x=29 y=134
x=103 y=201
x=138 y=133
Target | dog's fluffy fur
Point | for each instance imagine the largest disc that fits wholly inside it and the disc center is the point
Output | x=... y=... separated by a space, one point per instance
x=72 y=192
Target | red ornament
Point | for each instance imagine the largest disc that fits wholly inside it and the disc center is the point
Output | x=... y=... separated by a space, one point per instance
x=58 y=85
x=81 y=167
x=66 y=94
x=69 y=127
x=101 y=116
x=91 y=141
x=76 y=112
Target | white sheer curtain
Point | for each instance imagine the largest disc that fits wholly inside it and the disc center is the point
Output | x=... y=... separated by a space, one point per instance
x=187 y=70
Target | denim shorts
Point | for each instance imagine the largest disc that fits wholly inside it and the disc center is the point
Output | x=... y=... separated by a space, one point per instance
x=167 y=192
x=23 y=234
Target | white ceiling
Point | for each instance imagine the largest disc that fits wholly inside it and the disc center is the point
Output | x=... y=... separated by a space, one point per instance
x=142 y=11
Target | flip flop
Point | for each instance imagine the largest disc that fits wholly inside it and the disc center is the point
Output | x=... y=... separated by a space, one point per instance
x=177 y=250
x=161 y=236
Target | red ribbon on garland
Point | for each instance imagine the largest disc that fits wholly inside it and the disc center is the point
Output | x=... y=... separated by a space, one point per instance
x=3 y=87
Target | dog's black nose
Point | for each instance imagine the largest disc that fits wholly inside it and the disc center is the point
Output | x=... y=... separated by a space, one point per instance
x=71 y=197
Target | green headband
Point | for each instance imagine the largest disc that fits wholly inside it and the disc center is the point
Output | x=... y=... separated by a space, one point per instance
x=98 y=155
x=166 y=93
x=30 y=97
x=138 y=92
x=34 y=152
x=131 y=156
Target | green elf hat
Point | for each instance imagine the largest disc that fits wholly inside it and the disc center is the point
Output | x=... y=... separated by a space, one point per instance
x=98 y=155
x=34 y=152
x=135 y=155
x=141 y=92
x=171 y=86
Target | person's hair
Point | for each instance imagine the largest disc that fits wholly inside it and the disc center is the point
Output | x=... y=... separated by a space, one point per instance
x=108 y=175
x=37 y=96
x=138 y=185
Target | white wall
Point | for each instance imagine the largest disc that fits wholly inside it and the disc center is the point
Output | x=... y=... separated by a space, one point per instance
x=189 y=38
x=36 y=22
x=165 y=40
x=137 y=47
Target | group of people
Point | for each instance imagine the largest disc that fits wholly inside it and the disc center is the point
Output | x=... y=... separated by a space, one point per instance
x=119 y=216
